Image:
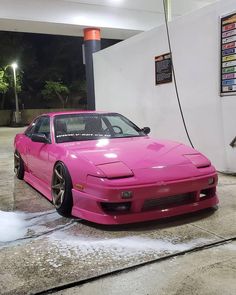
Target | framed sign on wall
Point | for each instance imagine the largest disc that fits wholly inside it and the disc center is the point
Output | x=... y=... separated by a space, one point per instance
x=163 y=69
x=228 y=55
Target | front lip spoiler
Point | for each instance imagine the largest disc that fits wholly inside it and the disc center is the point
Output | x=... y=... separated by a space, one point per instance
x=102 y=218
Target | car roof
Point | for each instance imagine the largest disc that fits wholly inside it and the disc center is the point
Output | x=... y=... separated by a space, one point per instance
x=53 y=114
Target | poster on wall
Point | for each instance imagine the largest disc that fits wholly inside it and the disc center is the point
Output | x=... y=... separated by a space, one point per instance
x=228 y=55
x=163 y=69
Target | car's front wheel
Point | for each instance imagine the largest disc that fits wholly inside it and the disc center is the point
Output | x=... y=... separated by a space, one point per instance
x=19 y=168
x=62 y=189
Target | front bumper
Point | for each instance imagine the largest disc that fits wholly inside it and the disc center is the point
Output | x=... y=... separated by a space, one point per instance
x=182 y=196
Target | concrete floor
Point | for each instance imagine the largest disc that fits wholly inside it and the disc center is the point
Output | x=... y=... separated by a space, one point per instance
x=40 y=250
x=208 y=272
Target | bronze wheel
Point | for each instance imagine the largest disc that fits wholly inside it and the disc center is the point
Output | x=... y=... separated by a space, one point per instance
x=61 y=189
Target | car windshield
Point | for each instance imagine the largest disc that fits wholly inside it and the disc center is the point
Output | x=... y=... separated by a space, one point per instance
x=79 y=127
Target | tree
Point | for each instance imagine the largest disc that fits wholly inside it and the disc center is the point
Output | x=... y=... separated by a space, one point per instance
x=4 y=86
x=78 y=92
x=58 y=90
x=7 y=84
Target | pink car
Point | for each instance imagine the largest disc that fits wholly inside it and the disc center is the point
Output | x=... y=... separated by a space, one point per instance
x=103 y=168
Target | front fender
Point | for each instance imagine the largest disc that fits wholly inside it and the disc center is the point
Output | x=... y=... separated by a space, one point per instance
x=20 y=144
x=78 y=166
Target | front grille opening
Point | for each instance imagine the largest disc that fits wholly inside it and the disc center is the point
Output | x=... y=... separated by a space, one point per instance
x=168 y=202
x=207 y=193
x=122 y=207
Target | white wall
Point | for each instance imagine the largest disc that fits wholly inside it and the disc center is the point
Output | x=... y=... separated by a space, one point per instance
x=125 y=82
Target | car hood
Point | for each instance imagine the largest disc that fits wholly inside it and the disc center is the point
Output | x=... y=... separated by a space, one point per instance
x=138 y=154
x=135 y=152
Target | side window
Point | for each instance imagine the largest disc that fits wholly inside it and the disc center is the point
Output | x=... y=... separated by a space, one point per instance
x=40 y=125
x=30 y=130
x=43 y=126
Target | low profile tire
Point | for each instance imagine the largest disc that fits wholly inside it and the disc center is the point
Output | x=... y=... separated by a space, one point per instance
x=62 y=189
x=19 y=168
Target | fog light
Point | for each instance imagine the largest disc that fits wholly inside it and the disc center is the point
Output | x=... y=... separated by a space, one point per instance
x=116 y=207
x=122 y=208
x=211 y=180
x=127 y=195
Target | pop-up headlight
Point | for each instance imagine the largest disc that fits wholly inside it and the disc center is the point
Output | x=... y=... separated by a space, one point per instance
x=198 y=160
x=115 y=170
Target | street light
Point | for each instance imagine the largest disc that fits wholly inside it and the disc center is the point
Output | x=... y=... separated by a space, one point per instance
x=17 y=113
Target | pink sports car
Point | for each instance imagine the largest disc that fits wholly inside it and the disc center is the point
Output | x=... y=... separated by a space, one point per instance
x=103 y=168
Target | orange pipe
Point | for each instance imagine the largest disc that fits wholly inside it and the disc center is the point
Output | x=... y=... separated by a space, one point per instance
x=92 y=34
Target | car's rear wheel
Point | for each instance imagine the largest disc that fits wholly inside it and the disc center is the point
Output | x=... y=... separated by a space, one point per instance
x=19 y=168
x=62 y=189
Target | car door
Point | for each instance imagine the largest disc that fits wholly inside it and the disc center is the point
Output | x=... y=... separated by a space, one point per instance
x=38 y=152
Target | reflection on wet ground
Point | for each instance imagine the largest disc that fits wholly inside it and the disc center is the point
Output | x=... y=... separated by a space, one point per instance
x=40 y=249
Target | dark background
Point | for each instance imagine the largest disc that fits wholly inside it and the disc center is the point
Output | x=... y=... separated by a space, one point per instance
x=42 y=58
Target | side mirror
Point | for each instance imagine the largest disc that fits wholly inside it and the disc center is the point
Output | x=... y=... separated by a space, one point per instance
x=146 y=130
x=40 y=137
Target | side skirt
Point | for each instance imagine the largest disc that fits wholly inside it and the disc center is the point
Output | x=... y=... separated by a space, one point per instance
x=38 y=185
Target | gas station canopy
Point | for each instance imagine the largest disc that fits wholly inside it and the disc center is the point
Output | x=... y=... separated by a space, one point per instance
x=118 y=19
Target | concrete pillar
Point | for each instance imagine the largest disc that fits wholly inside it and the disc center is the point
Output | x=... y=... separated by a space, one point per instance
x=92 y=43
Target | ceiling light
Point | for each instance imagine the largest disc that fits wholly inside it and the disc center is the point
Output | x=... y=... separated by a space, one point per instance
x=116 y=1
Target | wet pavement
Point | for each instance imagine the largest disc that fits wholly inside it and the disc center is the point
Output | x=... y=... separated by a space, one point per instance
x=208 y=272
x=40 y=250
